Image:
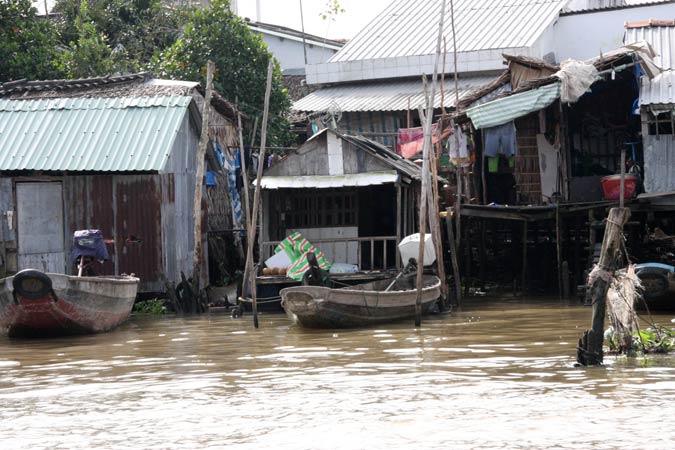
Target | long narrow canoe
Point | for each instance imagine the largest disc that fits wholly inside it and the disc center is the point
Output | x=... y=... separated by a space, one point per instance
x=356 y=306
x=37 y=304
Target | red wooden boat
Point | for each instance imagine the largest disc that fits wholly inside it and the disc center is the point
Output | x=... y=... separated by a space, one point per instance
x=38 y=304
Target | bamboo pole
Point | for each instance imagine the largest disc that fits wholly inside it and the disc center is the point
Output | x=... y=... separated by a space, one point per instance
x=458 y=200
x=425 y=170
x=199 y=181
x=244 y=173
x=249 y=268
x=247 y=204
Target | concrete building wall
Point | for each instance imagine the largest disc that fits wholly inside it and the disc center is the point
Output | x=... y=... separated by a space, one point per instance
x=587 y=35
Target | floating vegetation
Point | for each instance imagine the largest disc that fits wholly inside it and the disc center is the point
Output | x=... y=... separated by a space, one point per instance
x=655 y=339
x=155 y=306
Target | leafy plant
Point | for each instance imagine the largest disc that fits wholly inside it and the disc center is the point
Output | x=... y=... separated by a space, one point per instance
x=655 y=339
x=28 y=43
x=155 y=306
x=241 y=58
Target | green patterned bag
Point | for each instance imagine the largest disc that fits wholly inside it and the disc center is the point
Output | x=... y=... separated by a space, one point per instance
x=296 y=247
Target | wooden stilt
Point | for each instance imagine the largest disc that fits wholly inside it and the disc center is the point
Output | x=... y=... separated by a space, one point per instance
x=558 y=250
x=199 y=182
x=425 y=170
x=453 y=257
x=523 y=281
x=589 y=352
x=250 y=267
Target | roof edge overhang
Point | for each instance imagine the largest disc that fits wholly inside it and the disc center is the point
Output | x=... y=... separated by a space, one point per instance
x=329 y=181
x=488 y=60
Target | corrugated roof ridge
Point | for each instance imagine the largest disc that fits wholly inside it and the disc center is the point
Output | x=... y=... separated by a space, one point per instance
x=94 y=103
x=24 y=85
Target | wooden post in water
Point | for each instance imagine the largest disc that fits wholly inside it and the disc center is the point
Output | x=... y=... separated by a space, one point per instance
x=453 y=257
x=589 y=351
x=199 y=181
x=425 y=171
x=250 y=268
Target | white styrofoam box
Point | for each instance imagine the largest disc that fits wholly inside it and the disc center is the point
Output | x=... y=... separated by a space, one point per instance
x=279 y=260
x=409 y=248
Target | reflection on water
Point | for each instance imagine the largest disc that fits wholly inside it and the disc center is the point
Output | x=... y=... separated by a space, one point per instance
x=498 y=374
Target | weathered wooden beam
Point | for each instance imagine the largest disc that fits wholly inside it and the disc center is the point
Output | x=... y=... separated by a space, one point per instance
x=453 y=257
x=589 y=352
x=250 y=267
x=199 y=182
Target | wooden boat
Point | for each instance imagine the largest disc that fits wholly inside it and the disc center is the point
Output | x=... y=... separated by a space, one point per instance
x=37 y=304
x=658 y=283
x=359 y=305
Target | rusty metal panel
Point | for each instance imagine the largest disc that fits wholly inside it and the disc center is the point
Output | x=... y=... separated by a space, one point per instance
x=138 y=235
x=88 y=204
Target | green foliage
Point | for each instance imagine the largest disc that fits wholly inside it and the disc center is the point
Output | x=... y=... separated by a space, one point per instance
x=655 y=339
x=331 y=10
x=153 y=306
x=135 y=29
x=241 y=58
x=27 y=43
x=89 y=55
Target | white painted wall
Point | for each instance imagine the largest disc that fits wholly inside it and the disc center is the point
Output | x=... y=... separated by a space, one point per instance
x=290 y=55
x=584 y=36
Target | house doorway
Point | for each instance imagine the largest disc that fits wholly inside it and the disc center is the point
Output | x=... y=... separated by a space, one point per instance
x=39 y=208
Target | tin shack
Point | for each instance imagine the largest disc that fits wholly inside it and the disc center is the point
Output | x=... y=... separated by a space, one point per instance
x=115 y=154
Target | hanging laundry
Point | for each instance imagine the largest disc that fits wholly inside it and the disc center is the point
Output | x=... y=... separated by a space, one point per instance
x=411 y=140
x=501 y=140
x=458 y=144
x=237 y=212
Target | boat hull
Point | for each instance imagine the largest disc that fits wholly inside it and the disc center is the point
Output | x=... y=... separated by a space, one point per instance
x=357 y=306
x=71 y=305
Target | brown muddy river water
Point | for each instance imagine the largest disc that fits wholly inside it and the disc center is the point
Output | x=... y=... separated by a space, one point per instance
x=495 y=375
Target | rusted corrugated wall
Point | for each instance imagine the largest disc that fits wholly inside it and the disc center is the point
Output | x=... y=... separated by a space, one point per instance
x=127 y=209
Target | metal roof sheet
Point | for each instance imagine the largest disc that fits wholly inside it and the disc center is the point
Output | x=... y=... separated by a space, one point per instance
x=662 y=40
x=329 y=181
x=410 y=27
x=658 y=91
x=386 y=95
x=90 y=134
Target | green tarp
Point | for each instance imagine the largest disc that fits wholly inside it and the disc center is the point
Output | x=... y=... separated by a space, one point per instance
x=506 y=109
x=296 y=247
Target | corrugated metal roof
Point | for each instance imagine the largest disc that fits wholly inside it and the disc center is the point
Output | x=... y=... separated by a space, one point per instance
x=583 y=6
x=89 y=134
x=506 y=109
x=410 y=27
x=658 y=91
x=662 y=40
x=385 y=96
x=329 y=181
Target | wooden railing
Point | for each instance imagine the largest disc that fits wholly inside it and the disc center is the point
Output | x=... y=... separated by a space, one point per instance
x=373 y=249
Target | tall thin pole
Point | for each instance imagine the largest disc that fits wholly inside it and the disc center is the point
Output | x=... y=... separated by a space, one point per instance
x=425 y=171
x=302 y=27
x=458 y=200
x=199 y=180
x=256 y=198
x=244 y=173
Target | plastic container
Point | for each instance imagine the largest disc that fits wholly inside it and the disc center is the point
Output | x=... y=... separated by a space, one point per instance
x=410 y=245
x=611 y=186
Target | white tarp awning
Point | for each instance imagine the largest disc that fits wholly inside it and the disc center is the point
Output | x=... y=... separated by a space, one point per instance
x=329 y=181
